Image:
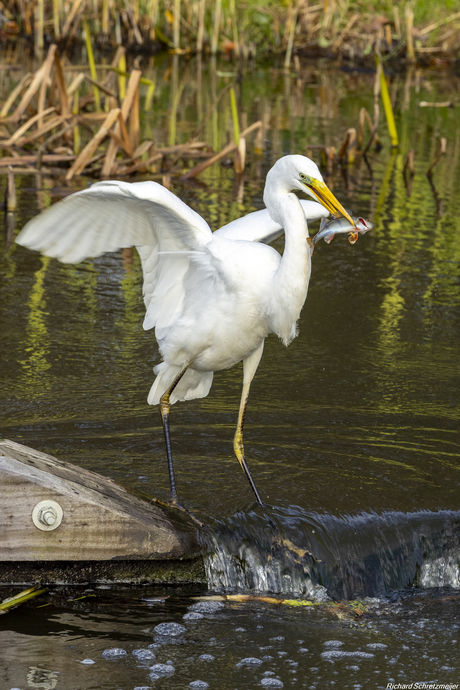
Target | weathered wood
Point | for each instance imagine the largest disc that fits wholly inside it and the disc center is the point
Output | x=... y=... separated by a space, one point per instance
x=101 y=520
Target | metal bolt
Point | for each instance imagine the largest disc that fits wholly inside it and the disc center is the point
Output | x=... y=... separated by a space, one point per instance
x=47 y=516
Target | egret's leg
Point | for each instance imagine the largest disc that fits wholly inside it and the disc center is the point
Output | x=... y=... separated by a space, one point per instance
x=250 y=365
x=164 y=408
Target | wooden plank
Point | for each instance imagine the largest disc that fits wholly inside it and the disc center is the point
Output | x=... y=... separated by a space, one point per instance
x=100 y=519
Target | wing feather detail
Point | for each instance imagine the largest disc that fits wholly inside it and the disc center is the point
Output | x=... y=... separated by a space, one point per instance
x=259 y=226
x=114 y=215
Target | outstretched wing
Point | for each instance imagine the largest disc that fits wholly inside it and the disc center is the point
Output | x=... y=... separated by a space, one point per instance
x=112 y=215
x=259 y=226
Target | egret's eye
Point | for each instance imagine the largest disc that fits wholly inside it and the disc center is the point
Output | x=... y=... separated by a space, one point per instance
x=306 y=179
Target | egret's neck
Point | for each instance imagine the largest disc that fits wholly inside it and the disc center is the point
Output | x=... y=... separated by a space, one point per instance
x=292 y=277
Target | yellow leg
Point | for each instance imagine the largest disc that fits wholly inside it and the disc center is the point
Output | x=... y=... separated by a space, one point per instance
x=250 y=365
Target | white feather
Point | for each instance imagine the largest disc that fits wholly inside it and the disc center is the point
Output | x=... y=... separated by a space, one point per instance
x=212 y=298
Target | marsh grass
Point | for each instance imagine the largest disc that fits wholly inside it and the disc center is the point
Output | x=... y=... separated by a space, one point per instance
x=353 y=28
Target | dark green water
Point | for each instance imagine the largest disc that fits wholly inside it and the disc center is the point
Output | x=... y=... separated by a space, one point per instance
x=352 y=433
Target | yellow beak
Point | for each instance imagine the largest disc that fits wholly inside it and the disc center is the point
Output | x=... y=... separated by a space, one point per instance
x=327 y=199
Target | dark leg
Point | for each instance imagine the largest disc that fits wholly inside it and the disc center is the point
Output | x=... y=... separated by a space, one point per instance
x=164 y=408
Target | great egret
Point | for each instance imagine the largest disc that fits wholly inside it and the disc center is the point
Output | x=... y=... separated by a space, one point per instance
x=212 y=297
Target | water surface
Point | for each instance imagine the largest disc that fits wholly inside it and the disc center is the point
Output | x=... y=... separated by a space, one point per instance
x=352 y=433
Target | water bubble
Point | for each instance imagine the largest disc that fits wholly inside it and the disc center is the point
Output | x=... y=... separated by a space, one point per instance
x=87 y=662
x=333 y=643
x=207 y=657
x=282 y=653
x=249 y=661
x=198 y=684
x=267 y=657
x=280 y=638
x=114 y=653
x=336 y=654
x=269 y=673
x=169 y=629
x=272 y=683
x=160 y=670
x=192 y=616
x=206 y=606
x=377 y=645
x=144 y=654
x=142 y=687
x=240 y=629
x=154 y=645
x=353 y=668
x=303 y=649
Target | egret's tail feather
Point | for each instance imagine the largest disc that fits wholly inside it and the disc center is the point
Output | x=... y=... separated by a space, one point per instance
x=193 y=384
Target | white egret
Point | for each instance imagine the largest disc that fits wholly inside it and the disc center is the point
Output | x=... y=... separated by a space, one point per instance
x=212 y=297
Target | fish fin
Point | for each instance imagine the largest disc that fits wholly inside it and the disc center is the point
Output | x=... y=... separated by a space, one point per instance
x=328 y=238
x=352 y=237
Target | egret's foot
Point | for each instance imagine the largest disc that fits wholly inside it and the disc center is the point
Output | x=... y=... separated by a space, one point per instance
x=174 y=503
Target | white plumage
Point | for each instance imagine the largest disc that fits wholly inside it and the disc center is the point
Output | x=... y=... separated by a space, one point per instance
x=211 y=297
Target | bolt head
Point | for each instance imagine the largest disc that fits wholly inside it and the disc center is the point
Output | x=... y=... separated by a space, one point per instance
x=47 y=516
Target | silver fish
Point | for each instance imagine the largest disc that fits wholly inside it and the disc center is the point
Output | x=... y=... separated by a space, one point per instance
x=339 y=226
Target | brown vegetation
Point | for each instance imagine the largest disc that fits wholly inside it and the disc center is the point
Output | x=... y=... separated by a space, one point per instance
x=420 y=31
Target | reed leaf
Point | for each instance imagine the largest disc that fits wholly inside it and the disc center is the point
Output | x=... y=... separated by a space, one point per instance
x=387 y=105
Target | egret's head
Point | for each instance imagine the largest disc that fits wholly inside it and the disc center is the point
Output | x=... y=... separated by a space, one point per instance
x=299 y=172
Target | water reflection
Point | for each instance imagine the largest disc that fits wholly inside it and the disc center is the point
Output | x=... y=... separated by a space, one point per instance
x=358 y=417
x=36 y=349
